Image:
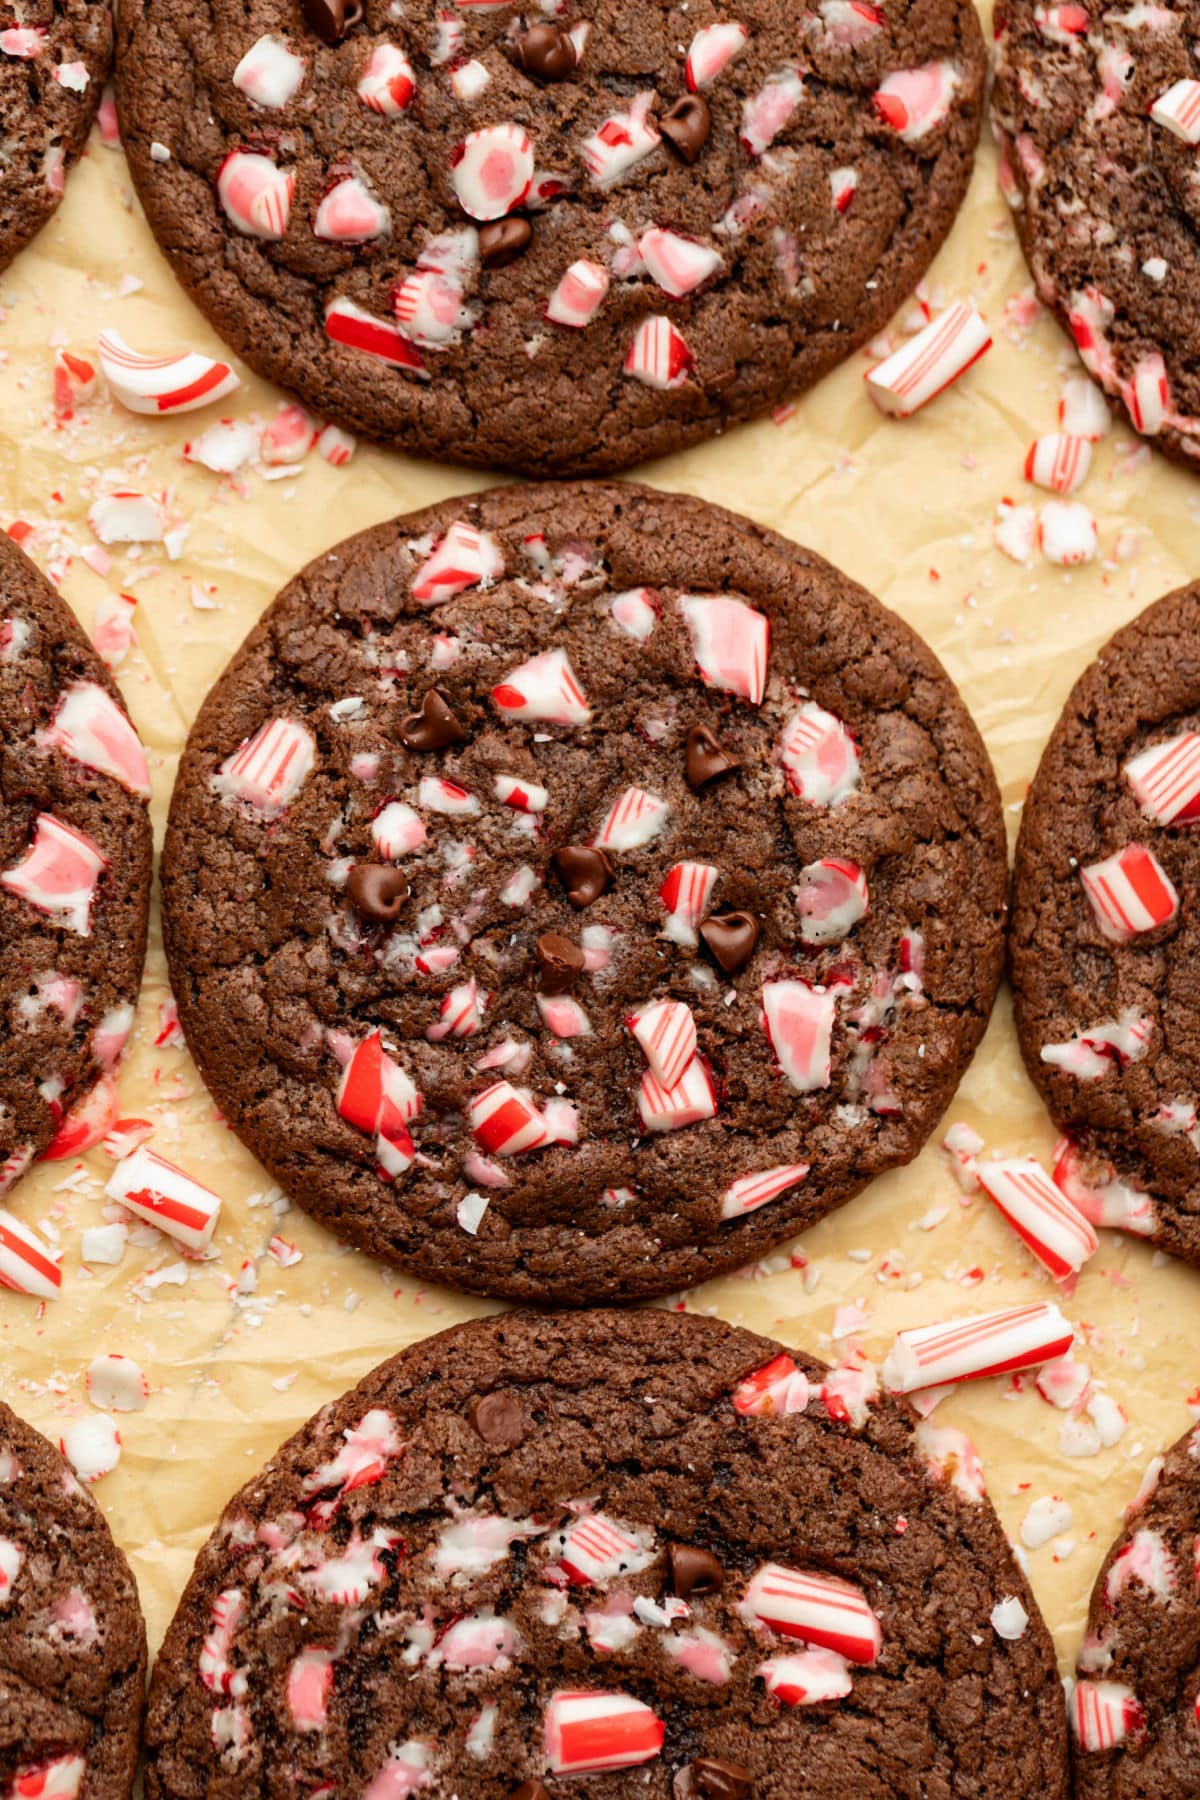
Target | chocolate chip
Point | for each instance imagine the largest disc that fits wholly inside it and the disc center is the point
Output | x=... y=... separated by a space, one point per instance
x=332 y=19
x=693 y=1571
x=498 y=1419
x=731 y=937
x=377 y=892
x=712 y=1778
x=560 y=962
x=545 y=52
x=530 y=1790
x=707 y=757
x=434 y=727
x=686 y=126
x=585 y=873
x=503 y=241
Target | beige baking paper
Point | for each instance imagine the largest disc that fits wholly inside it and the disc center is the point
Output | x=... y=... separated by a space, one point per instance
x=907 y=508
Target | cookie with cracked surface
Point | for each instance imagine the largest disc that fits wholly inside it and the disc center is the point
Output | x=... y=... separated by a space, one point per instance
x=74 y=880
x=572 y=893
x=1097 y=110
x=554 y=244
x=1105 y=934
x=644 y=1551
x=72 y=1640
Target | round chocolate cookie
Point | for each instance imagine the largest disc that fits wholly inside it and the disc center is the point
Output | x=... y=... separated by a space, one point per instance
x=1106 y=932
x=1134 y=1710
x=1097 y=111
x=74 y=873
x=573 y=892
x=639 y=1547
x=559 y=239
x=72 y=1640
x=54 y=61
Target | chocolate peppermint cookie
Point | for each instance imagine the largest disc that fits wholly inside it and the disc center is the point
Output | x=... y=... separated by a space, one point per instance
x=1134 y=1710
x=1097 y=111
x=637 y=1547
x=54 y=61
x=72 y=1641
x=574 y=892
x=1106 y=935
x=74 y=888
x=560 y=239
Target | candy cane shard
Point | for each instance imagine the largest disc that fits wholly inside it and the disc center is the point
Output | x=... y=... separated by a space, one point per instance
x=1091 y=1053
x=830 y=899
x=586 y=1733
x=712 y=50
x=525 y=796
x=1165 y=779
x=90 y=728
x=1100 y=1195
x=677 y=264
x=27 y=1265
x=1179 y=110
x=620 y=142
x=59 y=1779
x=1059 y=461
x=937 y=356
x=798 y=1020
x=806 y=1678
x=460 y=1013
x=545 y=687
x=685 y=893
x=162 y=1194
x=659 y=355
x=666 y=1034
x=464 y=558
x=914 y=101
x=1040 y=1213
x=819 y=757
x=691 y=1101
x=362 y=1458
x=162 y=384
x=579 y=295
x=1130 y=893
x=267 y=771
x=730 y=641
x=504 y=1123
x=397 y=830
x=633 y=819
x=996 y=1343
x=772 y=1391
x=595 y=1549
x=635 y=612
x=387 y=84
x=256 y=195
x=350 y=214
x=350 y=325
x=58 y=874
x=309 y=1680
x=749 y=1192
x=270 y=73
x=1103 y=1713
x=819 y=1609
x=1067 y=533
x=492 y=170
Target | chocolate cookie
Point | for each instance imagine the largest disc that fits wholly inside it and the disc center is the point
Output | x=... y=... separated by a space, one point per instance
x=1106 y=935
x=560 y=239
x=1136 y=1729
x=54 y=61
x=1097 y=111
x=572 y=893
x=72 y=1641
x=642 y=1546
x=74 y=871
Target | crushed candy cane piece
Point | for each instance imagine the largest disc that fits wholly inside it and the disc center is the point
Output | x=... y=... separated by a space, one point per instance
x=1040 y=1213
x=996 y=1343
x=89 y=728
x=1067 y=533
x=270 y=73
x=492 y=170
x=1165 y=779
x=1130 y=893
x=256 y=195
x=831 y=899
x=819 y=757
x=633 y=819
x=387 y=84
x=820 y=1609
x=1058 y=461
x=586 y=1733
x=464 y=558
x=798 y=1020
x=772 y=1391
x=749 y=1192
x=163 y=1195
x=712 y=50
x=116 y=1384
x=27 y=1265
x=914 y=101
x=579 y=295
x=267 y=771
x=658 y=355
x=730 y=641
x=691 y=1101
x=59 y=874
x=928 y=363
x=1103 y=1713
x=666 y=1033
x=545 y=687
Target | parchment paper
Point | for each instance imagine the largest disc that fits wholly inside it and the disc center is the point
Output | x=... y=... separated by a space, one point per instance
x=907 y=508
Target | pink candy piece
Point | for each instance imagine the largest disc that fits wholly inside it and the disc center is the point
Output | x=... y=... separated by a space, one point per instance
x=772 y=1391
x=1067 y=533
x=1179 y=110
x=397 y=830
x=632 y=820
x=730 y=641
x=1059 y=461
x=831 y=899
x=749 y=1192
x=26 y=1264
x=1147 y=395
x=336 y=446
x=429 y=308
x=678 y=264
x=914 y=101
x=596 y=1549
x=437 y=794
x=1040 y=1213
x=350 y=214
x=636 y=612
x=23 y=41
x=504 y=1123
x=1130 y=893
x=769 y=112
x=309 y=1680
x=356 y=329
x=819 y=757
x=59 y=1779
x=1166 y=780
x=492 y=170
x=526 y=796
x=819 y=1609
x=87 y=1123
x=620 y=142
x=162 y=384
x=545 y=687
x=387 y=83
x=270 y=73
x=256 y=195
x=658 y=355
x=58 y=875
x=1103 y=1713
x=269 y=769
x=1021 y=1337
x=916 y=373
x=464 y=558
x=712 y=50
x=588 y=1732
x=806 y=1678
x=90 y=728
x=691 y=1101
x=460 y=1013
x=798 y=1020
x=666 y=1034
x=1062 y=24
x=686 y=893
x=562 y=1016
x=579 y=294
x=165 y=1196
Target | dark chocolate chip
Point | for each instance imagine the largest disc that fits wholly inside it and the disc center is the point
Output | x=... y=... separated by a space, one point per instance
x=686 y=126
x=498 y=1419
x=693 y=1571
x=546 y=52
x=560 y=962
x=712 y=1778
x=434 y=727
x=503 y=240
x=377 y=892
x=585 y=873
x=530 y=1790
x=731 y=937
x=332 y=19
x=707 y=757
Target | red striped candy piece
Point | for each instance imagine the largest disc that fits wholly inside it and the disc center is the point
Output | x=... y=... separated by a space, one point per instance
x=362 y=1458
x=1179 y=110
x=678 y=264
x=1130 y=893
x=26 y=1264
x=465 y=558
x=256 y=195
x=772 y=1391
x=636 y=612
x=505 y=1123
x=690 y=1102
x=58 y=874
x=579 y=294
x=914 y=101
x=843 y=185
x=996 y=1343
x=1147 y=395
x=460 y=1013
x=437 y=794
x=1059 y=461
x=387 y=84
x=916 y=373
x=526 y=796
x=1166 y=780
x=588 y=1732
x=89 y=727
x=165 y=1196
x=819 y=1609
x=371 y=1081
x=596 y=1549
x=397 y=830
x=336 y=446
x=1100 y=1195
x=666 y=1034
x=798 y=1021
x=730 y=641
x=59 y=1779
x=632 y=820
x=270 y=768
x=1040 y=1213
x=849 y=23
x=1103 y=1713
x=685 y=893
x=769 y=112
x=162 y=384
x=270 y=73
x=658 y=355
x=350 y=325
x=806 y=1678
x=562 y=1016
x=545 y=687
x=87 y=1123
x=749 y=1192
x=620 y=142
x=1062 y=24
x=492 y=170
x=712 y=50
x=350 y=214
x=819 y=757
x=831 y=899
x=429 y=308
x=1091 y=1053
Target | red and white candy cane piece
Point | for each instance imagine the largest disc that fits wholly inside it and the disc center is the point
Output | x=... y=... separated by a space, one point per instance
x=1130 y=893
x=153 y=1188
x=1179 y=110
x=1040 y=1214
x=689 y=1102
x=288 y=437
x=678 y=264
x=918 y=371
x=831 y=899
x=1165 y=779
x=1147 y=395
x=562 y=1016
x=504 y=1122
x=387 y=84
x=730 y=641
x=526 y=796
x=712 y=50
x=59 y=1779
x=397 y=830
x=545 y=687
x=492 y=170
x=269 y=769
x=1103 y=1713
x=429 y=308
x=596 y=1549
x=309 y=1680
x=914 y=101
x=749 y=1192
x=621 y=142
x=23 y=41
x=1099 y=1194
x=1067 y=533
x=362 y=1458
x=819 y=1609
x=686 y=893
x=58 y=874
x=769 y=112
x=256 y=195
x=371 y=1081
x=350 y=214
x=658 y=355
x=772 y=1391
x=1019 y=1337
x=666 y=1034
x=116 y=1384
x=632 y=820
x=635 y=612
x=849 y=23
x=843 y=185
x=162 y=384
x=86 y=1122
x=335 y=446
x=128 y=518
x=589 y=1732
x=579 y=295
x=1062 y=24
x=90 y=728
x=1083 y=411
x=270 y=73
x=465 y=558
x=437 y=794
x=798 y=1020
x=806 y=1678
x=460 y=1013
x=1091 y=1053
x=819 y=757
x=1059 y=461
x=26 y=1264
x=350 y=325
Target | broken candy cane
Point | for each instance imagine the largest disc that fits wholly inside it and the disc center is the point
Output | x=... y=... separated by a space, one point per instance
x=164 y=1195
x=817 y=1608
x=1040 y=1214
x=996 y=1343
x=179 y=383
x=916 y=373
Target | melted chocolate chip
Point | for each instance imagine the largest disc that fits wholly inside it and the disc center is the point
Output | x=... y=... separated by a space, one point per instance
x=686 y=126
x=503 y=240
x=434 y=727
x=377 y=892
x=712 y=1778
x=498 y=1419
x=707 y=757
x=332 y=19
x=545 y=52
x=585 y=873
x=560 y=962
x=693 y=1571
x=731 y=937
